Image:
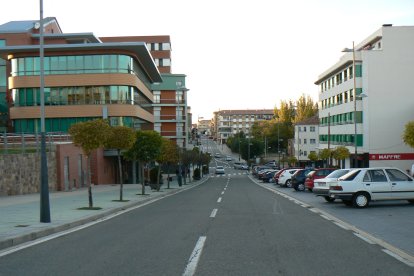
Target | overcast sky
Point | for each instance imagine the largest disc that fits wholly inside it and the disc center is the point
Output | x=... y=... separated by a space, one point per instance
x=237 y=54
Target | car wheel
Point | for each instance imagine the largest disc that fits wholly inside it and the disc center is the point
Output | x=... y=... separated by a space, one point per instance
x=329 y=199
x=347 y=202
x=411 y=201
x=310 y=189
x=288 y=183
x=301 y=187
x=360 y=200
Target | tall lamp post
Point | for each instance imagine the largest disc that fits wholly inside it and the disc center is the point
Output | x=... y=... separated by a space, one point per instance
x=347 y=50
x=44 y=185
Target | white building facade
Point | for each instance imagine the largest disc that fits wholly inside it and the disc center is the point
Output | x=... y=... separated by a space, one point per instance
x=368 y=116
x=306 y=139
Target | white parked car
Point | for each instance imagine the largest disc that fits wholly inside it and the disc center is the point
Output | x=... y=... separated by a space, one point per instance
x=321 y=185
x=228 y=158
x=285 y=178
x=360 y=186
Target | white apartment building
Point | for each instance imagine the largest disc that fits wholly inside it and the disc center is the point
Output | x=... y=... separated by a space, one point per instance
x=306 y=139
x=375 y=113
x=229 y=122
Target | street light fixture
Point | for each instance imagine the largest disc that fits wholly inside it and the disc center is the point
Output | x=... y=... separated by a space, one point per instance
x=347 y=50
x=44 y=183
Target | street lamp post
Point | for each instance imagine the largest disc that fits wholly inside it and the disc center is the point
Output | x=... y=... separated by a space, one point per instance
x=44 y=183
x=355 y=165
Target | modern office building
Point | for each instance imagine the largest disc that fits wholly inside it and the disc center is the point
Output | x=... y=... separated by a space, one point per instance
x=170 y=95
x=229 y=122
x=366 y=99
x=85 y=78
x=306 y=139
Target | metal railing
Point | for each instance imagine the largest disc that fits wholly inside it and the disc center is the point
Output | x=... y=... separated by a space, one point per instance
x=15 y=143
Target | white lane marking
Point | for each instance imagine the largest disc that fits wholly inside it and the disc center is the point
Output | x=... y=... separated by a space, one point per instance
x=342 y=226
x=316 y=211
x=364 y=238
x=222 y=192
x=213 y=213
x=325 y=217
x=219 y=200
x=392 y=254
x=191 y=267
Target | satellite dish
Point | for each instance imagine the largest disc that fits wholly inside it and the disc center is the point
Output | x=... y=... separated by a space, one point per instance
x=37 y=25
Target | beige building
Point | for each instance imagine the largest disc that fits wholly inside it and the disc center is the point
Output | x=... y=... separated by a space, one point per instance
x=226 y=123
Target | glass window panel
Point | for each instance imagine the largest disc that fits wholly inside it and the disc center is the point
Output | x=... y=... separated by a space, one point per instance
x=63 y=93
x=71 y=67
x=3 y=76
x=20 y=68
x=88 y=95
x=62 y=65
x=46 y=65
x=29 y=97
x=47 y=96
x=54 y=65
x=79 y=64
x=114 y=94
x=88 y=63
x=29 y=66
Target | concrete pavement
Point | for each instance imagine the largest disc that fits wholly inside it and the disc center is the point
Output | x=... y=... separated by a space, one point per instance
x=20 y=215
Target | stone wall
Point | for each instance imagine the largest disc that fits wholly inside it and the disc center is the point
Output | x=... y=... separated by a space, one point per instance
x=20 y=173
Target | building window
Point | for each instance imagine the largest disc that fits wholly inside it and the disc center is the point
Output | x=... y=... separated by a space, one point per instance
x=312 y=141
x=305 y=141
x=312 y=129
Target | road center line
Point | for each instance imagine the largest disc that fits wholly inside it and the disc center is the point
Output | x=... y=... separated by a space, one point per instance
x=213 y=214
x=195 y=257
x=219 y=200
x=392 y=254
x=222 y=192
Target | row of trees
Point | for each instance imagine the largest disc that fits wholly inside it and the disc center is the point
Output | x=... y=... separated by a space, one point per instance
x=144 y=147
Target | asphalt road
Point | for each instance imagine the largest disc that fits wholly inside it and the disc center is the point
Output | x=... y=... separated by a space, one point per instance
x=226 y=226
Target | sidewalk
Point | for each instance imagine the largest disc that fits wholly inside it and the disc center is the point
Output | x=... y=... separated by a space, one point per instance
x=20 y=215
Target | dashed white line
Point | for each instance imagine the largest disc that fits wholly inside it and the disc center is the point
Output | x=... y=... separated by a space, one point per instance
x=342 y=226
x=364 y=238
x=222 y=192
x=191 y=267
x=213 y=213
x=392 y=254
x=219 y=200
x=325 y=217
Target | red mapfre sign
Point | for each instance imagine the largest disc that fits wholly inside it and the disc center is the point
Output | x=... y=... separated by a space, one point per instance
x=391 y=156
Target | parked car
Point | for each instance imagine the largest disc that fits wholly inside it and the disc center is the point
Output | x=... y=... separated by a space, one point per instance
x=317 y=174
x=228 y=158
x=285 y=178
x=276 y=176
x=360 y=186
x=268 y=177
x=261 y=174
x=217 y=155
x=219 y=170
x=298 y=179
x=257 y=169
x=321 y=186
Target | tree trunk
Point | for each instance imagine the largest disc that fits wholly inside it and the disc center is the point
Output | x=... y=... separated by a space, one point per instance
x=89 y=181
x=120 y=174
x=168 y=175
x=143 y=178
x=134 y=172
x=158 y=177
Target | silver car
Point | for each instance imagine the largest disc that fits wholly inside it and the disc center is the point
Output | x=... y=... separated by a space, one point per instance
x=321 y=186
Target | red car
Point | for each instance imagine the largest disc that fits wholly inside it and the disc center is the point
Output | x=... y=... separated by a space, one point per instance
x=317 y=174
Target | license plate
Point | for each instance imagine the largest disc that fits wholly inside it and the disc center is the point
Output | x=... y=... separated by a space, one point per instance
x=321 y=184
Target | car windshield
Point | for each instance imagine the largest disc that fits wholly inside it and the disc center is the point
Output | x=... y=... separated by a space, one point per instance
x=350 y=175
x=337 y=173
